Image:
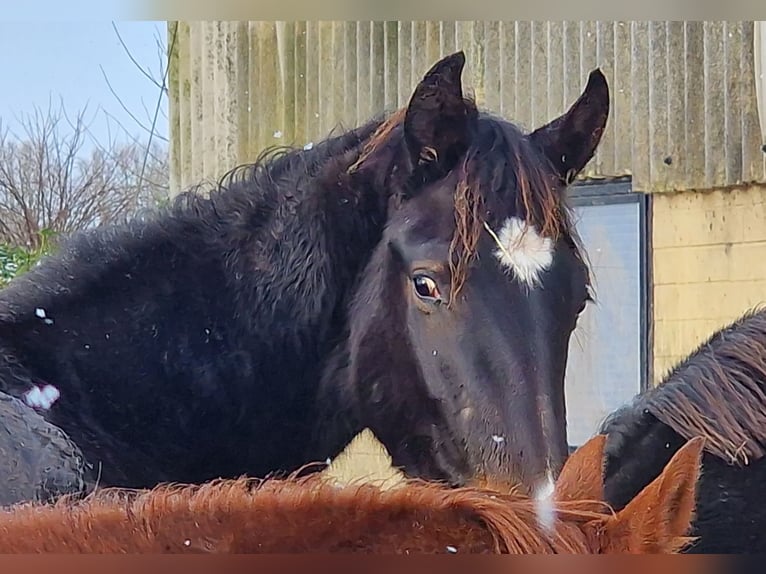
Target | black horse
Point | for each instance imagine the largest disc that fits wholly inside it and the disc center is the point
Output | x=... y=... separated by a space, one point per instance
x=718 y=392
x=425 y=262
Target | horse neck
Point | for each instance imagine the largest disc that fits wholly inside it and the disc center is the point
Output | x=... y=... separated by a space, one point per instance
x=638 y=448
x=313 y=230
x=337 y=419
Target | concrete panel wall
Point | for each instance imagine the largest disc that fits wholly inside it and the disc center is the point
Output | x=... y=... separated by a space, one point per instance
x=708 y=256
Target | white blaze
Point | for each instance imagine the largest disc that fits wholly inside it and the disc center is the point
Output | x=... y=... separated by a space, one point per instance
x=522 y=250
x=544 y=504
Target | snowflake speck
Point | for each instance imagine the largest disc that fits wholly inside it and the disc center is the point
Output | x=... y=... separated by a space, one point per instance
x=497 y=438
x=451 y=549
x=40 y=313
x=308 y=146
x=187 y=542
x=278 y=134
x=48 y=321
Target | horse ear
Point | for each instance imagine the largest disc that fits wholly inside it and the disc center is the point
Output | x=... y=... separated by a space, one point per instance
x=570 y=140
x=582 y=477
x=658 y=519
x=437 y=120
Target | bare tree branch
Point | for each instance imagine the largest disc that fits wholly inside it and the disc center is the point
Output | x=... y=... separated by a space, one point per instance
x=139 y=66
x=127 y=111
x=159 y=102
x=50 y=181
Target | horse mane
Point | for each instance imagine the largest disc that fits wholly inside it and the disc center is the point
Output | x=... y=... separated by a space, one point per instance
x=309 y=513
x=719 y=391
x=276 y=162
x=498 y=153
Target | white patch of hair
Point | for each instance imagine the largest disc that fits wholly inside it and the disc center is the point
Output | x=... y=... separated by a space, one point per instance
x=544 y=503
x=522 y=250
x=44 y=398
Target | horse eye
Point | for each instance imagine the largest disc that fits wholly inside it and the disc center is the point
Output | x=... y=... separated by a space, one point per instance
x=426 y=287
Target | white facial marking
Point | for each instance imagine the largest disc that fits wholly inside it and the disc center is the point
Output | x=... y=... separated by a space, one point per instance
x=44 y=398
x=544 y=508
x=523 y=251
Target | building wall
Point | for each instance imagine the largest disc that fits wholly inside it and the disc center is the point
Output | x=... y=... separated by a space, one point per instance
x=709 y=250
x=683 y=97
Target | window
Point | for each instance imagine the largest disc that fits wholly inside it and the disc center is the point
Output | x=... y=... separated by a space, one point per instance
x=609 y=351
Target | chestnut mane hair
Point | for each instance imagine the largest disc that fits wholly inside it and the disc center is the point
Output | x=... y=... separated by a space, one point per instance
x=311 y=514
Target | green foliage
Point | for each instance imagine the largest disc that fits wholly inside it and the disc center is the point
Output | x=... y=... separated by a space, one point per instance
x=16 y=260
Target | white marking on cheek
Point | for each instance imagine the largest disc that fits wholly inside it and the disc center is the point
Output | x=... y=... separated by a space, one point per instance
x=44 y=398
x=522 y=250
x=544 y=507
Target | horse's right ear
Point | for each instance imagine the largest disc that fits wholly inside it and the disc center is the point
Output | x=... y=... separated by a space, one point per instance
x=570 y=140
x=438 y=119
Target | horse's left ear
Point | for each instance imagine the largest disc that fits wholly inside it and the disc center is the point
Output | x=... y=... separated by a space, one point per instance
x=582 y=477
x=438 y=118
x=570 y=140
x=659 y=518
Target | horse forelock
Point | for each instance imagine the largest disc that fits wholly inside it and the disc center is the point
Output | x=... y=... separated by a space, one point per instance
x=539 y=198
x=539 y=201
x=719 y=392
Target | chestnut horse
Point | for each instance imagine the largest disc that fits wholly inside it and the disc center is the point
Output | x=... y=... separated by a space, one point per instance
x=313 y=515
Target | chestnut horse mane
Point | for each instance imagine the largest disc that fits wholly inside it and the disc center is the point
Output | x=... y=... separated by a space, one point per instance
x=316 y=514
x=212 y=517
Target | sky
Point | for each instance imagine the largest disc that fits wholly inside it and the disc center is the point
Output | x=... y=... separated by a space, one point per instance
x=66 y=61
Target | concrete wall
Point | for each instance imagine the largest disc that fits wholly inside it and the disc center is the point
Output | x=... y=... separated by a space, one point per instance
x=708 y=259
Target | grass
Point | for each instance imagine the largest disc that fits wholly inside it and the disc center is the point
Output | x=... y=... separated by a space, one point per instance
x=16 y=260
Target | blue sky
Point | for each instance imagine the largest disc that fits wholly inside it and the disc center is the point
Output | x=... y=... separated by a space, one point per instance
x=46 y=60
